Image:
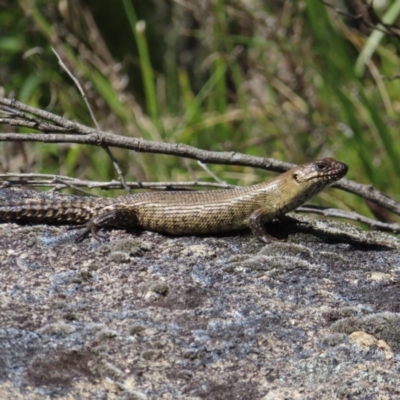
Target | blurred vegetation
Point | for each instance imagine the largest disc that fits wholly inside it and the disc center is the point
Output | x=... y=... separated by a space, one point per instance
x=293 y=80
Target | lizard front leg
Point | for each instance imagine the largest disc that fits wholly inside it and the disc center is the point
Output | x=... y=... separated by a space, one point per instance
x=256 y=222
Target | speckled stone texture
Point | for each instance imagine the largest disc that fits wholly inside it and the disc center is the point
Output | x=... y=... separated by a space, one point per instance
x=147 y=316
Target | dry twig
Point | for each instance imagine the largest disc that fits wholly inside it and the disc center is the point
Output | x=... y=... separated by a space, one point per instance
x=57 y=182
x=350 y=215
x=105 y=147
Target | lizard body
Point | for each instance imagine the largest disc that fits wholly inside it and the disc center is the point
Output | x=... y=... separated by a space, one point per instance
x=180 y=212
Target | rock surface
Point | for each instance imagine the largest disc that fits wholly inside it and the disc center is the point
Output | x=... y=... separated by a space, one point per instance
x=147 y=316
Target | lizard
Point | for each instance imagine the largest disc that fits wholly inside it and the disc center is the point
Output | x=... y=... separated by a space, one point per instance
x=179 y=212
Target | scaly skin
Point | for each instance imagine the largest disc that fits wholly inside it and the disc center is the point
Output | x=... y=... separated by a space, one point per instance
x=179 y=212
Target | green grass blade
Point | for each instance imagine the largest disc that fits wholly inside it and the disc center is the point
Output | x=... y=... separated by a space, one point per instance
x=138 y=28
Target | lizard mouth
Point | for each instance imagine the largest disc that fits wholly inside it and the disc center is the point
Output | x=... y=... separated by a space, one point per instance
x=339 y=172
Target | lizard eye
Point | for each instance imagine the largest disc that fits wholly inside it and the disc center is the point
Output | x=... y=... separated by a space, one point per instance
x=321 y=166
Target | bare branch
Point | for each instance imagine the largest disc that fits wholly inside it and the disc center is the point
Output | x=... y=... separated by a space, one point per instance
x=368 y=192
x=33 y=124
x=82 y=134
x=12 y=105
x=350 y=215
x=57 y=182
x=80 y=88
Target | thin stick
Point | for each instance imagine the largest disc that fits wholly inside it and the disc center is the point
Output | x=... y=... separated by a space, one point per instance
x=53 y=181
x=209 y=172
x=105 y=147
x=350 y=215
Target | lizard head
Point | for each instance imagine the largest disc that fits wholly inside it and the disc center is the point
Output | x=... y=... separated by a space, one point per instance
x=303 y=182
x=323 y=172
